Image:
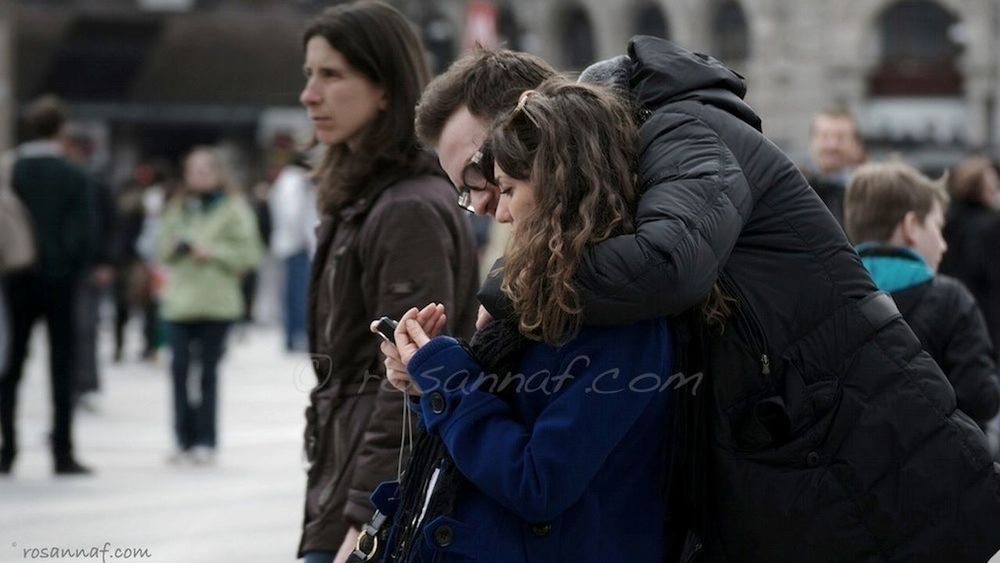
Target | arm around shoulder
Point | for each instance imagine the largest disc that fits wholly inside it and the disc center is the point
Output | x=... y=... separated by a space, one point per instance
x=694 y=204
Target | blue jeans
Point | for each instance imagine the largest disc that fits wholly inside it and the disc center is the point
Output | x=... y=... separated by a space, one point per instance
x=295 y=299
x=194 y=421
x=319 y=557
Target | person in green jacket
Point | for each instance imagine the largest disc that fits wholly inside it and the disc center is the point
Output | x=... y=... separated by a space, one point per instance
x=209 y=241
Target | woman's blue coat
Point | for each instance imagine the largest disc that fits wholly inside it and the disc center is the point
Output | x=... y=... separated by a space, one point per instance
x=569 y=469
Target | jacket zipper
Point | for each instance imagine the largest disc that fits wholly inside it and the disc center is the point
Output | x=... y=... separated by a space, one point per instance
x=755 y=332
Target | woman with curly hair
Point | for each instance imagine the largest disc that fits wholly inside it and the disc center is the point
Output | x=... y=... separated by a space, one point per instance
x=545 y=439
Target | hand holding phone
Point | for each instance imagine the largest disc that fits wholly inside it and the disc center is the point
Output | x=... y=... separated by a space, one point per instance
x=386 y=328
x=431 y=320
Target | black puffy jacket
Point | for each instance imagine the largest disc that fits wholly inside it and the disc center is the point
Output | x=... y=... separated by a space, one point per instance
x=822 y=431
x=945 y=317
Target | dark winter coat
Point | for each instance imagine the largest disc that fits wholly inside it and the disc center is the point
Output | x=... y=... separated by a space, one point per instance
x=61 y=199
x=402 y=243
x=824 y=432
x=945 y=317
x=972 y=232
x=831 y=188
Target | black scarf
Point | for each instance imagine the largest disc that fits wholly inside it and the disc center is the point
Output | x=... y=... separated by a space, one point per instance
x=498 y=348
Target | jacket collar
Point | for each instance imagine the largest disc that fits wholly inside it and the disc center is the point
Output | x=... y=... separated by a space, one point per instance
x=360 y=206
x=36 y=149
x=894 y=268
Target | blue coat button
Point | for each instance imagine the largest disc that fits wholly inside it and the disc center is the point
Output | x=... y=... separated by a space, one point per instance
x=443 y=536
x=541 y=530
x=437 y=403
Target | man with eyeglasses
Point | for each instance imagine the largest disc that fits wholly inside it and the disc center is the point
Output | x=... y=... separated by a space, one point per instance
x=822 y=430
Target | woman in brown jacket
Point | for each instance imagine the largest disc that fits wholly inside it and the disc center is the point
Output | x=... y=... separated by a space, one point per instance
x=390 y=237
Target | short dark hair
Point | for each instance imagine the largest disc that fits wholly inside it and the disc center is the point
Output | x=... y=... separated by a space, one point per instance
x=379 y=42
x=46 y=116
x=880 y=195
x=486 y=81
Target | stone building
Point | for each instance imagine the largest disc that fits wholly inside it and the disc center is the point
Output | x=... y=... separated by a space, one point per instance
x=916 y=72
x=154 y=76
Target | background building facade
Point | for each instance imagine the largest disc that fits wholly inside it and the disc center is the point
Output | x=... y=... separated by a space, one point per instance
x=152 y=77
x=917 y=72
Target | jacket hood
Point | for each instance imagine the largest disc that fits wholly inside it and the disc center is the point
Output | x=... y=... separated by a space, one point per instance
x=664 y=72
x=894 y=268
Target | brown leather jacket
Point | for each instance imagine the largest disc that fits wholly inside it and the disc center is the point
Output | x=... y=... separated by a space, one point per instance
x=396 y=247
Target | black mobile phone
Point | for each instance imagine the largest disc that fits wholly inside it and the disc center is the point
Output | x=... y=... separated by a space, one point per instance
x=386 y=328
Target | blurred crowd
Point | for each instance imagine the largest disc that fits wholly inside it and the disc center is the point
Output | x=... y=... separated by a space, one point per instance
x=88 y=258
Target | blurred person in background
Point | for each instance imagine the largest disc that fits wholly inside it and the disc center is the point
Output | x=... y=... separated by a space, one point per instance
x=4 y=330
x=59 y=197
x=390 y=237
x=835 y=149
x=293 y=241
x=894 y=215
x=258 y=199
x=17 y=244
x=133 y=279
x=95 y=282
x=208 y=240
x=149 y=286
x=973 y=233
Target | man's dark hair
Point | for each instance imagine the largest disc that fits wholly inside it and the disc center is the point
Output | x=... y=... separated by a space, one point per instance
x=45 y=117
x=486 y=81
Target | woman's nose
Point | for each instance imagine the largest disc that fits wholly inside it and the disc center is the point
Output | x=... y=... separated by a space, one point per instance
x=308 y=95
x=503 y=211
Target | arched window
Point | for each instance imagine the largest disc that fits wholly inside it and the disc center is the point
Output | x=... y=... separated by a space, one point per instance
x=918 y=51
x=577 y=38
x=649 y=20
x=730 y=33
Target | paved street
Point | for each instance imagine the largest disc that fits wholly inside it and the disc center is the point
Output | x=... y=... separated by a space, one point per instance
x=246 y=508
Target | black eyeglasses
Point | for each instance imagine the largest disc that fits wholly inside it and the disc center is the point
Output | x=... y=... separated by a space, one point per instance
x=475 y=178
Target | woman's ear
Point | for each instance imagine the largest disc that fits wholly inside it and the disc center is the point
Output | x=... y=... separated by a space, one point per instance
x=383 y=101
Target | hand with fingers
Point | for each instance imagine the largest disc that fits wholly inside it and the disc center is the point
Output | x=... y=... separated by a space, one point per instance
x=416 y=328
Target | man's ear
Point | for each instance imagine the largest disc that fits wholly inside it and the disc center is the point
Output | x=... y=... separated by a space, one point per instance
x=909 y=225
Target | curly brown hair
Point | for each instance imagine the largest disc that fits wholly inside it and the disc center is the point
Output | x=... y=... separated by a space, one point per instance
x=578 y=146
